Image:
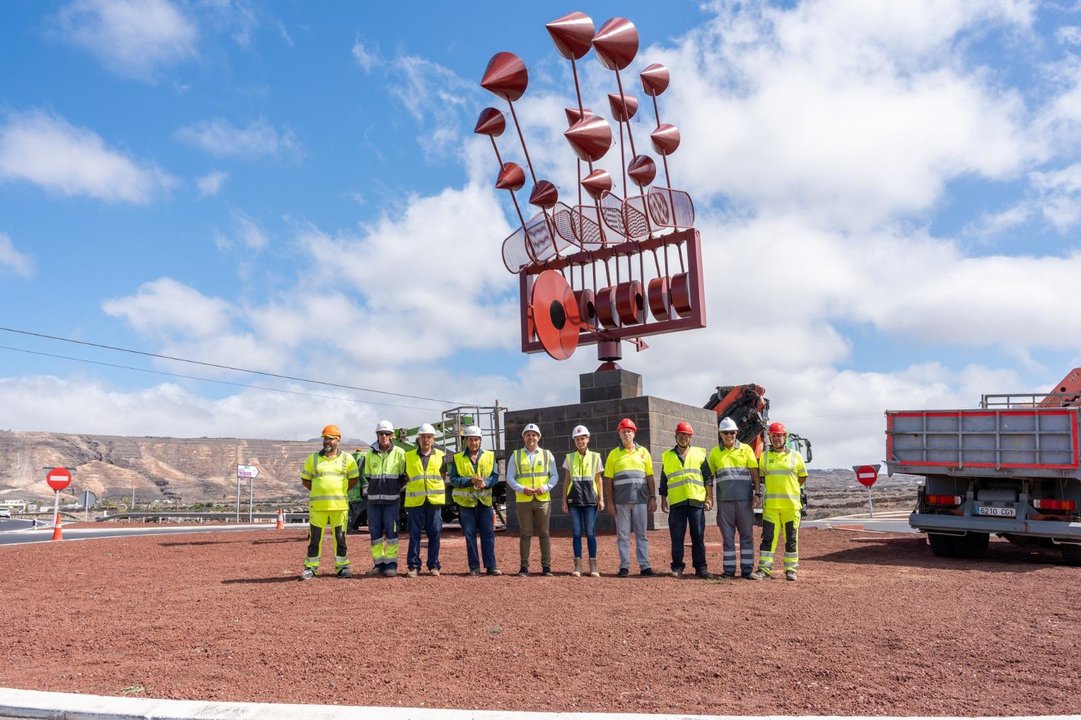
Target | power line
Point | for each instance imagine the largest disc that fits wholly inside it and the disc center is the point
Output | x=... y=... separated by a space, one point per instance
x=230 y=367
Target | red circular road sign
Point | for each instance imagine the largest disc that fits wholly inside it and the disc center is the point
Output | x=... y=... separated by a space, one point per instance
x=866 y=474
x=58 y=478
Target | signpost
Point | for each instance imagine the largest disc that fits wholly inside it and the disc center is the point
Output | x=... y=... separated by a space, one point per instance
x=867 y=475
x=58 y=479
x=245 y=471
x=88 y=500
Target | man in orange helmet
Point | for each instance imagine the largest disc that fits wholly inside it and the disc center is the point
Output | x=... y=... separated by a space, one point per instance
x=328 y=475
x=784 y=473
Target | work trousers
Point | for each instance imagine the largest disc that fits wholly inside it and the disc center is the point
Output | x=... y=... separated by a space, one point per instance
x=383 y=528
x=632 y=517
x=680 y=518
x=773 y=522
x=533 y=518
x=583 y=520
x=320 y=520
x=736 y=516
x=429 y=518
x=355 y=506
x=479 y=520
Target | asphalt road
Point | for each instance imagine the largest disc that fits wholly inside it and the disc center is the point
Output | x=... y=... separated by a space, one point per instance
x=14 y=532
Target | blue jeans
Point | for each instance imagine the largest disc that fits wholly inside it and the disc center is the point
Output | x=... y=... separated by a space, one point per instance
x=383 y=528
x=679 y=518
x=583 y=518
x=479 y=519
x=429 y=518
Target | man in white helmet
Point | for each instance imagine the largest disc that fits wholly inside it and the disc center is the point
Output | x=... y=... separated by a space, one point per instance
x=531 y=474
x=735 y=468
x=425 y=496
x=382 y=474
x=473 y=473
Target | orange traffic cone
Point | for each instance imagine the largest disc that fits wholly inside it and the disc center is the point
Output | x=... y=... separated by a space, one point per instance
x=57 y=534
x=281 y=520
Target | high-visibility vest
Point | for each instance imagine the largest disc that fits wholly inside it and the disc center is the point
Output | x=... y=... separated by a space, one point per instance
x=533 y=476
x=382 y=472
x=424 y=484
x=356 y=493
x=781 y=473
x=330 y=480
x=582 y=489
x=732 y=470
x=628 y=470
x=684 y=475
x=469 y=496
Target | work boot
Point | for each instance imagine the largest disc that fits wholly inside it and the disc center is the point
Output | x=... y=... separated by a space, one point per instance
x=577 y=567
x=704 y=574
x=678 y=574
x=412 y=573
x=523 y=571
x=593 y=572
x=434 y=572
x=729 y=575
x=474 y=571
x=307 y=574
x=373 y=572
x=624 y=572
x=495 y=571
x=546 y=571
x=758 y=575
x=391 y=572
x=790 y=575
x=344 y=572
x=647 y=572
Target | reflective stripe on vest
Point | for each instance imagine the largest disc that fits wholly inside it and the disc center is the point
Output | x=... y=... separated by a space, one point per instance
x=779 y=473
x=582 y=489
x=684 y=475
x=381 y=473
x=424 y=484
x=532 y=476
x=330 y=482
x=469 y=496
x=732 y=470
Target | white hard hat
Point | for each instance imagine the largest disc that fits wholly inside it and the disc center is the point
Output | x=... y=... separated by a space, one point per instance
x=579 y=431
x=472 y=431
x=384 y=426
x=531 y=427
x=726 y=425
x=426 y=429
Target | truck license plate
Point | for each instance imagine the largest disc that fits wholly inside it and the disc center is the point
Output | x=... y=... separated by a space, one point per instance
x=992 y=511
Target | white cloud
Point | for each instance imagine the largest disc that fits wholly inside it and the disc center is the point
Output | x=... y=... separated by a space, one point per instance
x=1059 y=195
x=211 y=184
x=46 y=150
x=133 y=38
x=223 y=139
x=167 y=306
x=250 y=233
x=10 y=257
x=366 y=58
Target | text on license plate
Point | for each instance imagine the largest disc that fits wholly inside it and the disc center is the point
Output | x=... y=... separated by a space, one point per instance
x=996 y=511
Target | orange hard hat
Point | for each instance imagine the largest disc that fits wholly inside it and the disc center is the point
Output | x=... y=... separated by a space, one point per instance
x=332 y=431
x=777 y=429
x=685 y=427
x=627 y=424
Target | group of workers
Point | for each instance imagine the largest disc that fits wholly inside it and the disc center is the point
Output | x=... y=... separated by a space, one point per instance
x=623 y=485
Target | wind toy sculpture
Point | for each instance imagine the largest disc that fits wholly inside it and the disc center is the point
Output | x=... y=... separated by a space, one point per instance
x=608 y=268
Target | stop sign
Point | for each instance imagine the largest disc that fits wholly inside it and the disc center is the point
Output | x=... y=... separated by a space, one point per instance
x=58 y=478
x=866 y=474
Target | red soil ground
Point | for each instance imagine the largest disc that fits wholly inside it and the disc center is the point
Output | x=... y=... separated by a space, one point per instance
x=875 y=625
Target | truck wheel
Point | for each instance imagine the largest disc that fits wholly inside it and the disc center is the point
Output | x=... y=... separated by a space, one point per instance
x=942 y=545
x=973 y=545
x=1071 y=555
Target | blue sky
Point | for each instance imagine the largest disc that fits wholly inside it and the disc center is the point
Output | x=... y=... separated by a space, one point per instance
x=888 y=195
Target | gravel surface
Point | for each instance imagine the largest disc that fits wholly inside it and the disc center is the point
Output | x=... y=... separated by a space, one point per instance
x=874 y=625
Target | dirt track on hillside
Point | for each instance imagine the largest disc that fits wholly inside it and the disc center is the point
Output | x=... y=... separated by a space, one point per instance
x=875 y=625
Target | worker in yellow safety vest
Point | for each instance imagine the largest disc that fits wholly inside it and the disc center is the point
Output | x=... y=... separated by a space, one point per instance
x=784 y=473
x=531 y=474
x=328 y=475
x=735 y=468
x=425 y=496
x=630 y=491
x=382 y=473
x=686 y=498
x=473 y=474
x=583 y=497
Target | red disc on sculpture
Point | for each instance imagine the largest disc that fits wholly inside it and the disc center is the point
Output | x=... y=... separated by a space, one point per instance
x=629 y=303
x=681 y=294
x=490 y=122
x=555 y=315
x=58 y=478
x=511 y=177
x=590 y=137
x=597 y=183
x=654 y=79
x=544 y=195
x=642 y=170
x=657 y=296
x=665 y=139
x=506 y=76
x=587 y=308
x=606 y=307
x=623 y=106
x=572 y=35
x=616 y=43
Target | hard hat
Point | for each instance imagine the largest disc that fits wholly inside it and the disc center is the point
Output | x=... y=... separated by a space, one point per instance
x=384 y=426
x=685 y=427
x=580 y=431
x=426 y=429
x=777 y=429
x=627 y=424
x=531 y=427
x=727 y=425
x=332 y=431
x=472 y=431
